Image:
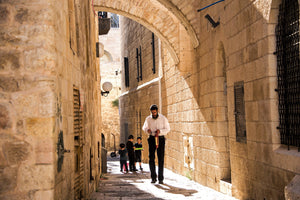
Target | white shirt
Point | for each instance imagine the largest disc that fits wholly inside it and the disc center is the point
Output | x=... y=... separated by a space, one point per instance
x=160 y=123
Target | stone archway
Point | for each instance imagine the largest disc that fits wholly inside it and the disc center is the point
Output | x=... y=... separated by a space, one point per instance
x=165 y=20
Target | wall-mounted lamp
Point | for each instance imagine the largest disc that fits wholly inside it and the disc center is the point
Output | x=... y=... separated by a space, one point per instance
x=106 y=86
x=213 y=23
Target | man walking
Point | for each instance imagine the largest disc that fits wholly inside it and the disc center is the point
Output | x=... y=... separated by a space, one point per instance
x=157 y=126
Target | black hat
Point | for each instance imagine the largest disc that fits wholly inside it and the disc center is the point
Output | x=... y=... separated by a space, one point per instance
x=154 y=107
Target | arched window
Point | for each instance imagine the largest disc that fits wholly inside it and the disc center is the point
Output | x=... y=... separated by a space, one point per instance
x=288 y=72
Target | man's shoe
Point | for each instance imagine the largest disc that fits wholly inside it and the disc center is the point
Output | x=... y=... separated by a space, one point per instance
x=161 y=182
x=153 y=181
x=135 y=170
x=141 y=168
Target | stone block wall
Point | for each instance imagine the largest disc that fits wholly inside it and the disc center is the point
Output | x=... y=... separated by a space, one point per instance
x=136 y=99
x=49 y=46
x=111 y=71
x=43 y=55
x=200 y=102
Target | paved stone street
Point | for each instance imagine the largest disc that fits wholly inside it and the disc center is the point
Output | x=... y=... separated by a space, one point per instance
x=137 y=185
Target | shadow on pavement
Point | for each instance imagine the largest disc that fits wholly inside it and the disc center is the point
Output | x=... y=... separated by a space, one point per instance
x=176 y=190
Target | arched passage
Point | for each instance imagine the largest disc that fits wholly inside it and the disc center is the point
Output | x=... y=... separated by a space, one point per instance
x=163 y=19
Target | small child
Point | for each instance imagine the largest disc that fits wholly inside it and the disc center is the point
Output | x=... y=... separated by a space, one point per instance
x=130 y=150
x=123 y=157
x=138 y=151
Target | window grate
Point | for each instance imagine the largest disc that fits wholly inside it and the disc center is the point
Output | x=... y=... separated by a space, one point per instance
x=78 y=144
x=288 y=73
x=139 y=63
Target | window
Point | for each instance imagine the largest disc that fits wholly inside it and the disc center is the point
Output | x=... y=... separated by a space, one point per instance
x=239 y=112
x=139 y=64
x=288 y=73
x=153 y=54
x=126 y=69
x=78 y=144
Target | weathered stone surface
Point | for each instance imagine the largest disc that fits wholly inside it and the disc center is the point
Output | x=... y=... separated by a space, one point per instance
x=47 y=103
x=35 y=177
x=22 y=15
x=8 y=84
x=4 y=14
x=4 y=117
x=40 y=126
x=16 y=151
x=26 y=104
x=8 y=179
x=44 y=157
x=3 y=161
x=17 y=196
x=45 y=195
x=20 y=127
x=9 y=60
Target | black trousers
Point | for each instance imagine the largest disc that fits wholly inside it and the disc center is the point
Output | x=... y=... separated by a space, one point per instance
x=123 y=164
x=160 y=155
x=131 y=161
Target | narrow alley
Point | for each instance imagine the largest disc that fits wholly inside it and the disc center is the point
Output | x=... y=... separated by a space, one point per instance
x=137 y=185
x=78 y=79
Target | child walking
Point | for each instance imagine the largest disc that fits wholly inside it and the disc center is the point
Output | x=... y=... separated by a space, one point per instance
x=123 y=157
x=138 y=152
x=130 y=150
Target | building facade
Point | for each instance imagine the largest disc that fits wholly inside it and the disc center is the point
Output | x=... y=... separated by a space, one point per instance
x=226 y=76
x=225 y=99
x=49 y=100
x=110 y=64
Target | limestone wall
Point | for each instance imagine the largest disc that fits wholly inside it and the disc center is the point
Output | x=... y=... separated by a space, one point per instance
x=47 y=47
x=44 y=46
x=199 y=102
x=136 y=99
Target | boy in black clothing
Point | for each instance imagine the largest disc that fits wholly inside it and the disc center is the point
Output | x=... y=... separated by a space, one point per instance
x=123 y=157
x=130 y=150
x=138 y=151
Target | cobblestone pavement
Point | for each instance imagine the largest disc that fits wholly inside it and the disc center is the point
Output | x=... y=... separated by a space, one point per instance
x=137 y=185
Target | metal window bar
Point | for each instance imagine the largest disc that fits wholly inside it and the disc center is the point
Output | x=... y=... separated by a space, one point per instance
x=288 y=73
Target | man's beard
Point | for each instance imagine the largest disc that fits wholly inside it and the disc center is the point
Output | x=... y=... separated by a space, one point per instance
x=155 y=117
